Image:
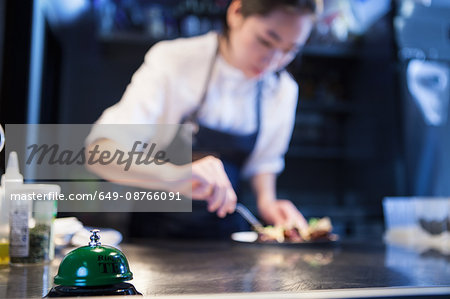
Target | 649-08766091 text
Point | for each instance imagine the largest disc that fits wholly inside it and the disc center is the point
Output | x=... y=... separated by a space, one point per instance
x=102 y=195
x=140 y=195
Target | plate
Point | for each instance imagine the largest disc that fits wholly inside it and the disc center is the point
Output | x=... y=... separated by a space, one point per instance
x=251 y=237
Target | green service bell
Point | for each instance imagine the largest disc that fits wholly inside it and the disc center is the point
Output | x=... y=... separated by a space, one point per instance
x=93 y=265
x=93 y=270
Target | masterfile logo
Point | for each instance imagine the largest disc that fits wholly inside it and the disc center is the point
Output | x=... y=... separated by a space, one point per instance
x=52 y=154
x=70 y=155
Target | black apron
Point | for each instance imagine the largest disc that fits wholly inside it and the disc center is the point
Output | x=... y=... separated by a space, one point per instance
x=233 y=150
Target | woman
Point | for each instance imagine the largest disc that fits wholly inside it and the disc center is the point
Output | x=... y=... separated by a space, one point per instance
x=233 y=86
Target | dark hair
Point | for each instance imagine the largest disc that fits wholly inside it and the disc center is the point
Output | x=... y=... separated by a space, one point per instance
x=265 y=7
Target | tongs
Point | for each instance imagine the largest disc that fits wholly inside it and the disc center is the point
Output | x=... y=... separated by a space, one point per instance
x=247 y=215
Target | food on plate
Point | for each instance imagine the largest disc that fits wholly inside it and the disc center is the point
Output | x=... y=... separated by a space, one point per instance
x=318 y=230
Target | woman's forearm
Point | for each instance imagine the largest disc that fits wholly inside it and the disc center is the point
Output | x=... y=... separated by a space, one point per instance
x=264 y=187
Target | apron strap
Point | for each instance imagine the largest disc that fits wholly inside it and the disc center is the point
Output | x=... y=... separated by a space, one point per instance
x=192 y=118
x=259 y=88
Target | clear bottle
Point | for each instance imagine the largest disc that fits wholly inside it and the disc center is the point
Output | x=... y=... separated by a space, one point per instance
x=4 y=229
x=9 y=180
x=32 y=217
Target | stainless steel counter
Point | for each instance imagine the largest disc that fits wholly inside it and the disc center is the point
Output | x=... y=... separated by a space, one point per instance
x=162 y=267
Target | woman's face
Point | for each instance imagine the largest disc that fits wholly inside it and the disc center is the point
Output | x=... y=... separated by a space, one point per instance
x=260 y=44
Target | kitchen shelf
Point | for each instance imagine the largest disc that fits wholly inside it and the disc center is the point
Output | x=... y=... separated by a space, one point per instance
x=318 y=152
x=331 y=50
x=135 y=38
x=306 y=105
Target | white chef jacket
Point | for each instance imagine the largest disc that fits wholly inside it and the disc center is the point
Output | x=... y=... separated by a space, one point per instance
x=169 y=84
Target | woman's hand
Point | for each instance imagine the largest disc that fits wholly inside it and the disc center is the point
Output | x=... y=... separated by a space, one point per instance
x=210 y=182
x=276 y=212
x=281 y=213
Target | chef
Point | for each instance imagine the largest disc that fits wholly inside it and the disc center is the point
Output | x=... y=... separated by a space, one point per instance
x=233 y=87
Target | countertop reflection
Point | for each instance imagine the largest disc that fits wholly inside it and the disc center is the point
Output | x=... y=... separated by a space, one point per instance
x=163 y=267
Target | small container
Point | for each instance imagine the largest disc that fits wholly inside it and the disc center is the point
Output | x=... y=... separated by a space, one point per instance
x=4 y=228
x=399 y=212
x=9 y=180
x=399 y=219
x=417 y=222
x=33 y=210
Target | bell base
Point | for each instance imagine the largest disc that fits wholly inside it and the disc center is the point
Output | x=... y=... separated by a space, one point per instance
x=118 y=289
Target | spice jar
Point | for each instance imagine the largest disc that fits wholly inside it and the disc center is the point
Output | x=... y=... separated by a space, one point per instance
x=33 y=210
